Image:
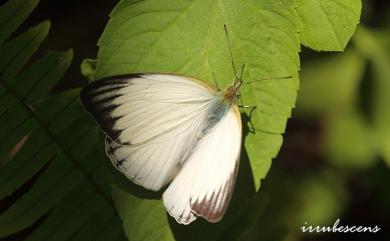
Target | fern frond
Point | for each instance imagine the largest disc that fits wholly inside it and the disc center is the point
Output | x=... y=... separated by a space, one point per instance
x=48 y=141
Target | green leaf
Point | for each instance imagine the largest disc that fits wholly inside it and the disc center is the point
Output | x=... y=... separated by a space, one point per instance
x=49 y=145
x=260 y=157
x=16 y=52
x=50 y=187
x=340 y=75
x=379 y=58
x=17 y=172
x=153 y=224
x=38 y=78
x=12 y=14
x=247 y=220
x=88 y=68
x=349 y=141
x=327 y=25
x=71 y=213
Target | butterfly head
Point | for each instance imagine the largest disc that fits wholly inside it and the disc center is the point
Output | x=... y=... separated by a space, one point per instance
x=231 y=94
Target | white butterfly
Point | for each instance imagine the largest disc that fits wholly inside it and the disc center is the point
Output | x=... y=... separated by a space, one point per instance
x=162 y=128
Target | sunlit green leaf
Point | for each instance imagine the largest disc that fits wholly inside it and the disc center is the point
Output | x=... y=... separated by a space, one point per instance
x=327 y=25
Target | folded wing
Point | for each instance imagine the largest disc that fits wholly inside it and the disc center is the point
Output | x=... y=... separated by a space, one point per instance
x=205 y=184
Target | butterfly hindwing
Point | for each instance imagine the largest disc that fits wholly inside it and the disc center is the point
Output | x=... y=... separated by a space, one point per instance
x=204 y=185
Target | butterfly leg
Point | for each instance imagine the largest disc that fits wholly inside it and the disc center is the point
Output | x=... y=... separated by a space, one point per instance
x=251 y=107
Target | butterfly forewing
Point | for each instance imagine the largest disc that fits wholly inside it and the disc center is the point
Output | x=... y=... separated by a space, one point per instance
x=152 y=122
x=141 y=101
x=161 y=127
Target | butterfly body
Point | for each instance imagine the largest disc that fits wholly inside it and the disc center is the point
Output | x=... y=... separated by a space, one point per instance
x=163 y=129
x=218 y=109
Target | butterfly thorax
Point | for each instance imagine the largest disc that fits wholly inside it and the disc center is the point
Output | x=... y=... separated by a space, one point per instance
x=231 y=94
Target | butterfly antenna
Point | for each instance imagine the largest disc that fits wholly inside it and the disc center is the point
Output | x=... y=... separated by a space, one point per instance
x=242 y=72
x=272 y=78
x=231 y=53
